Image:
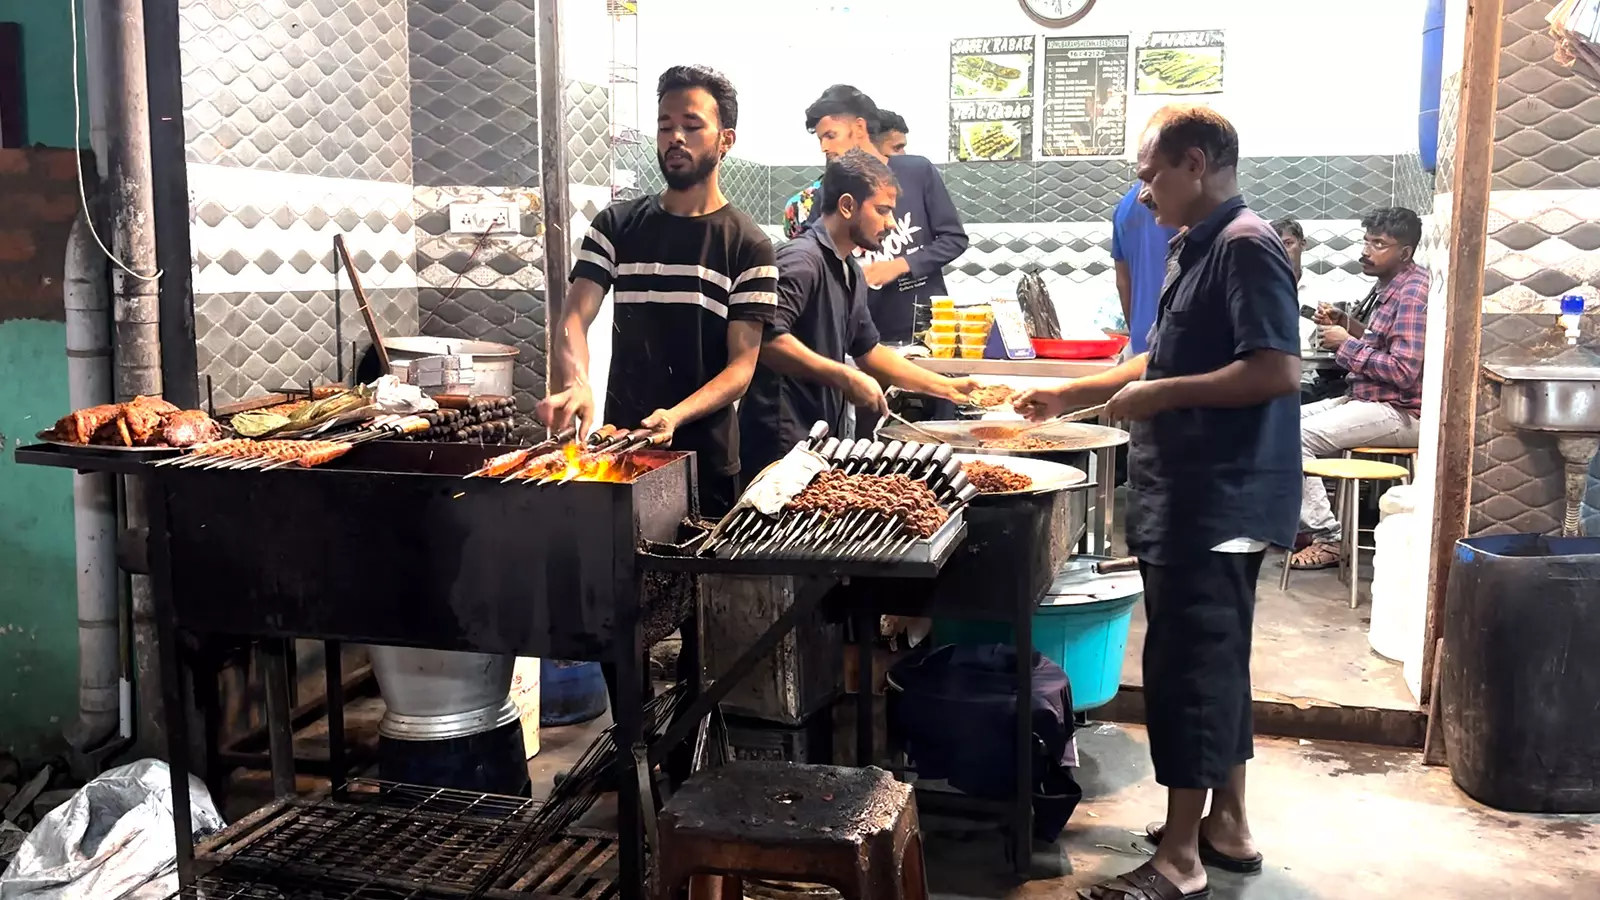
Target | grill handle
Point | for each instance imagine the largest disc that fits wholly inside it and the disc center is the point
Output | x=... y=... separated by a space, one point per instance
x=819 y=433
x=828 y=447
x=1112 y=566
x=891 y=455
x=842 y=452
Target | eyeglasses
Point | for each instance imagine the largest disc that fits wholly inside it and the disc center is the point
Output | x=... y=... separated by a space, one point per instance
x=1378 y=244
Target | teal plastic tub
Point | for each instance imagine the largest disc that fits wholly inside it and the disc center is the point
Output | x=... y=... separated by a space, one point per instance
x=1082 y=626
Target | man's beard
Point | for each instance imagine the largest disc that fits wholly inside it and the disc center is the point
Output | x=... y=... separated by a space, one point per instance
x=860 y=238
x=696 y=175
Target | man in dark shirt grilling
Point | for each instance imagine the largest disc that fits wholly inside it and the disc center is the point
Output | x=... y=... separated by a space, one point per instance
x=823 y=319
x=1213 y=467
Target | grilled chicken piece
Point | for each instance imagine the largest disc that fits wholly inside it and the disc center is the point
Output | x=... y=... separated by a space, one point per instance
x=321 y=452
x=154 y=404
x=188 y=427
x=79 y=427
x=143 y=423
x=504 y=463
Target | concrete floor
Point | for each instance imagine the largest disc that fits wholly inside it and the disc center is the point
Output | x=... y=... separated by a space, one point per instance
x=1335 y=822
x=1308 y=644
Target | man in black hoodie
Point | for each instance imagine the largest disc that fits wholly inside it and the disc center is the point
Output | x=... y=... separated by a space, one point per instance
x=927 y=233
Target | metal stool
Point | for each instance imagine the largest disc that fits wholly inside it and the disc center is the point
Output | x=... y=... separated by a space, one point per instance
x=1349 y=473
x=1405 y=457
x=854 y=830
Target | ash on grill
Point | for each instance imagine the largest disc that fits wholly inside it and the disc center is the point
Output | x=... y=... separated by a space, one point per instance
x=875 y=501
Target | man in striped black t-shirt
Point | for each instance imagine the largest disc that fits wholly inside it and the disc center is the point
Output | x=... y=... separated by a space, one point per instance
x=694 y=282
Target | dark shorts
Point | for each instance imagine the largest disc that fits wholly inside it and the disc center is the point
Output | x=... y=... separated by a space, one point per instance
x=1197 y=667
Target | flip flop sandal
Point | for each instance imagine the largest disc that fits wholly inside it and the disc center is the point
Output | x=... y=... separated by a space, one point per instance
x=1143 y=883
x=1211 y=856
x=1316 y=556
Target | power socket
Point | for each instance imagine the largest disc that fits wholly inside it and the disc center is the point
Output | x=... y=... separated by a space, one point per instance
x=494 y=217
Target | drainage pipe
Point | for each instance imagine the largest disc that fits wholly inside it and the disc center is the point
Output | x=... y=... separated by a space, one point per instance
x=136 y=310
x=94 y=501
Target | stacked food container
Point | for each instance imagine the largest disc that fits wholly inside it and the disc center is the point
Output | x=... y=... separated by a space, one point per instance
x=959 y=331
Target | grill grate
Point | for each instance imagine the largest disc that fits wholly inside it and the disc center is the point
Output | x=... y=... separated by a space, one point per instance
x=383 y=841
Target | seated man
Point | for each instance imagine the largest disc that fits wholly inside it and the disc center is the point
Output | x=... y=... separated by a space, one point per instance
x=1294 y=241
x=1380 y=346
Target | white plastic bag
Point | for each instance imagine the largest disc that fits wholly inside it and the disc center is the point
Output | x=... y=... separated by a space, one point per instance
x=112 y=841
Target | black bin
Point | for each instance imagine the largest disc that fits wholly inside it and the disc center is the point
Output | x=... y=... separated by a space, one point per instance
x=1520 y=675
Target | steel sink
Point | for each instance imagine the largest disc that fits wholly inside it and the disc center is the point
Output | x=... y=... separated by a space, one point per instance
x=1549 y=397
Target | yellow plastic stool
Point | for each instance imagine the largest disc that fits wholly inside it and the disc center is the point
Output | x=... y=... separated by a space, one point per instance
x=1349 y=473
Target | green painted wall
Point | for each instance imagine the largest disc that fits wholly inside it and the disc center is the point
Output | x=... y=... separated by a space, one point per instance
x=47 y=69
x=38 y=605
x=38 y=589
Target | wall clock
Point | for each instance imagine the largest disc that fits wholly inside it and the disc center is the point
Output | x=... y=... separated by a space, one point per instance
x=1056 y=13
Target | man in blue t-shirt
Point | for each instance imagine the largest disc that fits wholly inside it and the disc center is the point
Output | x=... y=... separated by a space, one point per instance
x=1139 y=246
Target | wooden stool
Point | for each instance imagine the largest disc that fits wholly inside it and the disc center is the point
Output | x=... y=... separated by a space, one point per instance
x=854 y=830
x=1349 y=473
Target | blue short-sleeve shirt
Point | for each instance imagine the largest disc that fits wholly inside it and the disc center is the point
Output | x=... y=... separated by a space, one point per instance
x=1202 y=476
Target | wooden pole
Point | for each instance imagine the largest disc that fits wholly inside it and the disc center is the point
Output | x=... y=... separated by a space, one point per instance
x=1469 y=231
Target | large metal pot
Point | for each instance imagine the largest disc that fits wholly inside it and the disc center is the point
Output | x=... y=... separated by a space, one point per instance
x=436 y=695
x=492 y=364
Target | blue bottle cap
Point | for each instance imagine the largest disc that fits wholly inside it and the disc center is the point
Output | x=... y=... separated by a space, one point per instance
x=1572 y=305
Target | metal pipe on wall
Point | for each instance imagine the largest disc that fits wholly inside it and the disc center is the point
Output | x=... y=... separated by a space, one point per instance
x=94 y=501
x=135 y=307
x=553 y=174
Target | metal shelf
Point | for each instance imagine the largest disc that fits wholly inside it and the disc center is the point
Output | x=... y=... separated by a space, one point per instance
x=374 y=840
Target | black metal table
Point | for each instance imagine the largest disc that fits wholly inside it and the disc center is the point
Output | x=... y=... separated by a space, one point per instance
x=353 y=553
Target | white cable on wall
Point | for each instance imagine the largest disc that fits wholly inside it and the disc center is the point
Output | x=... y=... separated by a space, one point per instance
x=77 y=121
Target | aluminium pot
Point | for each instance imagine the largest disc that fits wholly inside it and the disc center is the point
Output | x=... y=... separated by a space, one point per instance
x=492 y=364
x=437 y=695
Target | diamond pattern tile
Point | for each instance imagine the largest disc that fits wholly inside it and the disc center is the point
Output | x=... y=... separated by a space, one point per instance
x=1518 y=483
x=251 y=343
x=473 y=40
x=1449 y=116
x=1542 y=245
x=785 y=182
x=1285 y=186
x=1356 y=185
x=314 y=87
x=1080 y=189
x=269 y=231
x=588 y=110
x=1547 y=126
x=477 y=132
x=992 y=192
x=1413 y=187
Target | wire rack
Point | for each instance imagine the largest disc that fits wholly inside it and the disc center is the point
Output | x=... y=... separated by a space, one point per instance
x=377 y=840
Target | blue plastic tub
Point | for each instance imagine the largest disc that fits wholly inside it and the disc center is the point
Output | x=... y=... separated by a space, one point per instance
x=570 y=692
x=1082 y=626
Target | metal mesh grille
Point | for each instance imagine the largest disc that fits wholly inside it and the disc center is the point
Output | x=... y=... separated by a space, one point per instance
x=387 y=841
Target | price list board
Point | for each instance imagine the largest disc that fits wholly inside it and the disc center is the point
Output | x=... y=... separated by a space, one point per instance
x=1085 y=97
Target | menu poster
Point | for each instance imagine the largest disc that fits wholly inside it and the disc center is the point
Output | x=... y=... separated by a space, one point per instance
x=1180 y=62
x=1085 y=96
x=991 y=130
x=998 y=68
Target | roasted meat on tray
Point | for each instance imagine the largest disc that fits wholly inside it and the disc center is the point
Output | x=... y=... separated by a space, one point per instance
x=188 y=427
x=141 y=422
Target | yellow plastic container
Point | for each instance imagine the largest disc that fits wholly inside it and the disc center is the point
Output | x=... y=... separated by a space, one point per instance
x=942 y=349
x=972 y=351
x=974 y=331
x=943 y=329
x=939 y=303
x=971 y=314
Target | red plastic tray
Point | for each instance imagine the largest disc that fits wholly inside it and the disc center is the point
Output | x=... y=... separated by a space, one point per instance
x=1052 y=349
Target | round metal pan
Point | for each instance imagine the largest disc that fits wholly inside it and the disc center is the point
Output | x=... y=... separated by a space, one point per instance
x=1047 y=476
x=1068 y=437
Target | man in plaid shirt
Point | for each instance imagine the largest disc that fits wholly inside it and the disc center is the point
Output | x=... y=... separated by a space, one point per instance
x=1379 y=344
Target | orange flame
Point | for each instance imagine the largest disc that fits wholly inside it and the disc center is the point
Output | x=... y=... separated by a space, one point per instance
x=582 y=466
